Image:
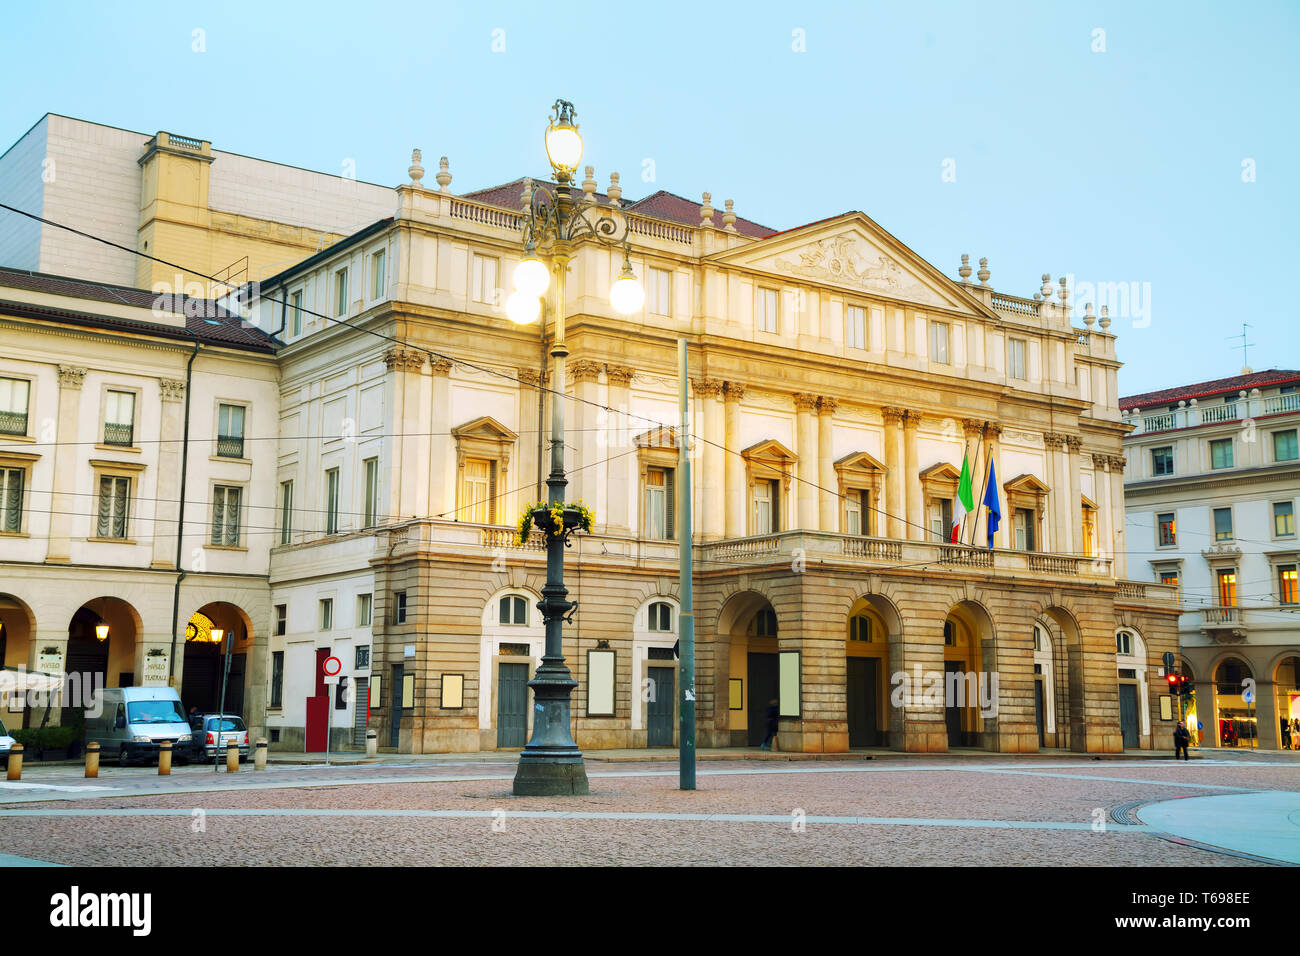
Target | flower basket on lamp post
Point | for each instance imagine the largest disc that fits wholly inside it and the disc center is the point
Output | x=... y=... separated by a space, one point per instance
x=555 y=520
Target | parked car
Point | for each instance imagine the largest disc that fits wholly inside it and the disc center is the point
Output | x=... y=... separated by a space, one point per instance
x=5 y=741
x=133 y=721
x=205 y=732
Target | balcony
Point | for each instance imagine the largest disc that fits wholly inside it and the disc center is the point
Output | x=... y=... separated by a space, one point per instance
x=230 y=446
x=1282 y=403
x=1217 y=414
x=1224 y=625
x=117 y=433
x=13 y=423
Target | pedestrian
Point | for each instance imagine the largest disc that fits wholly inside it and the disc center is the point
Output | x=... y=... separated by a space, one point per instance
x=1181 y=738
x=773 y=724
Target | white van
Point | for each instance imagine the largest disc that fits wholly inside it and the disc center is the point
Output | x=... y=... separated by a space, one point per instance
x=133 y=721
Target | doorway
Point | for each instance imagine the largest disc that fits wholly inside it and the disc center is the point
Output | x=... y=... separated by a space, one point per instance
x=1128 y=714
x=1038 y=711
x=764 y=685
x=659 y=709
x=395 y=730
x=863 y=706
x=951 y=712
x=512 y=705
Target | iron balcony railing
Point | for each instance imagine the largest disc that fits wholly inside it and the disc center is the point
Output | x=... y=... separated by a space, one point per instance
x=230 y=446
x=116 y=433
x=13 y=423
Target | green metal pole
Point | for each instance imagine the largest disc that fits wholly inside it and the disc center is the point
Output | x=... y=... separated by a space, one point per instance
x=686 y=617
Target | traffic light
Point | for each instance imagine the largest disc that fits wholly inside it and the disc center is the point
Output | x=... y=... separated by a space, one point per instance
x=1174 y=682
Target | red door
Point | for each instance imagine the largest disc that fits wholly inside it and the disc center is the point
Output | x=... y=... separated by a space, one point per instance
x=318 y=708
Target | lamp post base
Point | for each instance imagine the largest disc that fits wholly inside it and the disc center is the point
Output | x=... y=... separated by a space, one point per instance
x=551 y=774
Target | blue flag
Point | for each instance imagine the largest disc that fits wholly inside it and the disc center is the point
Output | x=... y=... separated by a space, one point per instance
x=991 y=502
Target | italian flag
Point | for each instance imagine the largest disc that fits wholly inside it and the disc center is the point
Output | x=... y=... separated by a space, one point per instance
x=965 y=499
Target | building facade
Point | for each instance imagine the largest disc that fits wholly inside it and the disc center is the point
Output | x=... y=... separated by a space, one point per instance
x=1211 y=491
x=837 y=381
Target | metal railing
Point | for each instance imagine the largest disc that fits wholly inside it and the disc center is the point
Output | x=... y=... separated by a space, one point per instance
x=13 y=423
x=230 y=446
x=117 y=433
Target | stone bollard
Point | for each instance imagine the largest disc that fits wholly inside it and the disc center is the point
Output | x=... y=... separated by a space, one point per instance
x=16 y=762
x=232 y=756
x=259 y=761
x=372 y=743
x=92 y=759
x=165 y=758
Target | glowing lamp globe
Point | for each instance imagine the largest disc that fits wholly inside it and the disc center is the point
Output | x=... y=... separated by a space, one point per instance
x=627 y=296
x=522 y=308
x=532 y=277
x=563 y=146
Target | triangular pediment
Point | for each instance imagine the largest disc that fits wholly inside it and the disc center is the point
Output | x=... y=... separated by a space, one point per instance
x=486 y=427
x=1087 y=502
x=1026 y=484
x=859 y=461
x=770 y=450
x=943 y=471
x=663 y=436
x=854 y=253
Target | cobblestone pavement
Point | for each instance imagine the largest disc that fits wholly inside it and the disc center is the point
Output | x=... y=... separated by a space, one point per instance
x=980 y=810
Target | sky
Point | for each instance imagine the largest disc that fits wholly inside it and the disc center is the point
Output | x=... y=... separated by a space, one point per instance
x=1149 y=151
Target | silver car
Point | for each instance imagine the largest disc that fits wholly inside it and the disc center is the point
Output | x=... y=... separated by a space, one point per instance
x=210 y=740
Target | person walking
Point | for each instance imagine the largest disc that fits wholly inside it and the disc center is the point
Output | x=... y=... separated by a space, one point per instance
x=773 y=724
x=1181 y=738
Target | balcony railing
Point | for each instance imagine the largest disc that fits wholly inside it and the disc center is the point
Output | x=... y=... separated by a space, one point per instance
x=1214 y=414
x=1282 y=403
x=1158 y=423
x=1221 y=615
x=116 y=433
x=230 y=446
x=13 y=423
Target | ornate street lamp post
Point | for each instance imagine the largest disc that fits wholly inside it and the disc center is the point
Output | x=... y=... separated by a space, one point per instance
x=553 y=222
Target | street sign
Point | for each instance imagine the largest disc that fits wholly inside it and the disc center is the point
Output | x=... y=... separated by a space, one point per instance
x=332 y=666
x=1248 y=695
x=1169 y=660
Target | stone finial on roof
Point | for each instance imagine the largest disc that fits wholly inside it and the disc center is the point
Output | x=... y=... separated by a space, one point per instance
x=983 y=274
x=729 y=217
x=526 y=197
x=615 y=191
x=964 y=271
x=444 y=176
x=1088 y=317
x=706 y=210
x=1046 y=290
x=1105 y=317
x=589 y=184
x=415 y=170
x=1064 y=293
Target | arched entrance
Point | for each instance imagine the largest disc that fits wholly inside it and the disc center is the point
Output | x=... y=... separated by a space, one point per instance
x=217 y=637
x=751 y=625
x=1061 y=663
x=17 y=624
x=101 y=647
x=1045 y=716
x=1286 y=687
x=872 y=621
x=1131 y=673
x=966 y=631
x=1234 y=713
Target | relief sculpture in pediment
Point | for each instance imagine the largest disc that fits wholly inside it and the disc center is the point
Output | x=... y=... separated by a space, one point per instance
x=838 y=259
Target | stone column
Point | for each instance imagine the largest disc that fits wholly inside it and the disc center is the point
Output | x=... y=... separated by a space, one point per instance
x=735 y=468
x=401 y=362
x=895 y=503
x=1119 y=547
x=806 y=494
x=621 y=433
x=828 y=496
x=1074 y=513
x=56 y=642
x=709 y=516
x=525 y=455
x=442 y=448
x=63 y=503
x=912 y=478
x=1101 y=484
x=584 y=475
x=1003 y=537
x=167 y=507
x=1059 y=500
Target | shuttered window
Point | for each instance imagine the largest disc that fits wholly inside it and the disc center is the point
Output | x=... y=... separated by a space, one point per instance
x=372 y=491
x=660 y=503
x=478 y=491
x=332 y=501
x=114 y=498
x=11 y=499
x=766 y=507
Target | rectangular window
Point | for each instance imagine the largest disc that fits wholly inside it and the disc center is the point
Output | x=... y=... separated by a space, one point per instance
x=1024 y=529
x=14 y=395
x=857 y=511
x=114 y=499
x=1228 y=588
x=1162 y=460
x=477 y=491
x=378 y=275
x=1286 y=584
x=658 y=293
x=766 y=507
x=1016 y=358
x=766 y=310
x=855 y=327
x=286 y=511
x=1222 y=524
x=1168 y=532
x=295 y=313
x=1089 y=517
x=281 y=619
x=363 y=657
x=1221 y=453
x=230 y=431
x=941 y=519
x=225 y=515
x=939 y=342
x=1170 y=577
x=659 y=503
x=119 y=418
x=277 y=678
x=1283 y=519
x=341 y=292
x=326 y=613
x=364 y=602
x=11 y=499
x=372 y=491
x=399 y=607
x=485 y=280
x=1284 y=446
x=332 y=501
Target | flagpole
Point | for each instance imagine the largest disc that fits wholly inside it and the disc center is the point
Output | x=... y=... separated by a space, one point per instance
x=973 y=514
x=983 y=485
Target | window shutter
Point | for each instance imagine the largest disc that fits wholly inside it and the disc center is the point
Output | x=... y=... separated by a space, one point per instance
x=776 y=505
x=505 y=611
x=670 y=503
x=864 y=502
x=492 y=493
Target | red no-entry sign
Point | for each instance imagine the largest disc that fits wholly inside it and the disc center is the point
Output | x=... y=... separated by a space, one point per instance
x=332 y=666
